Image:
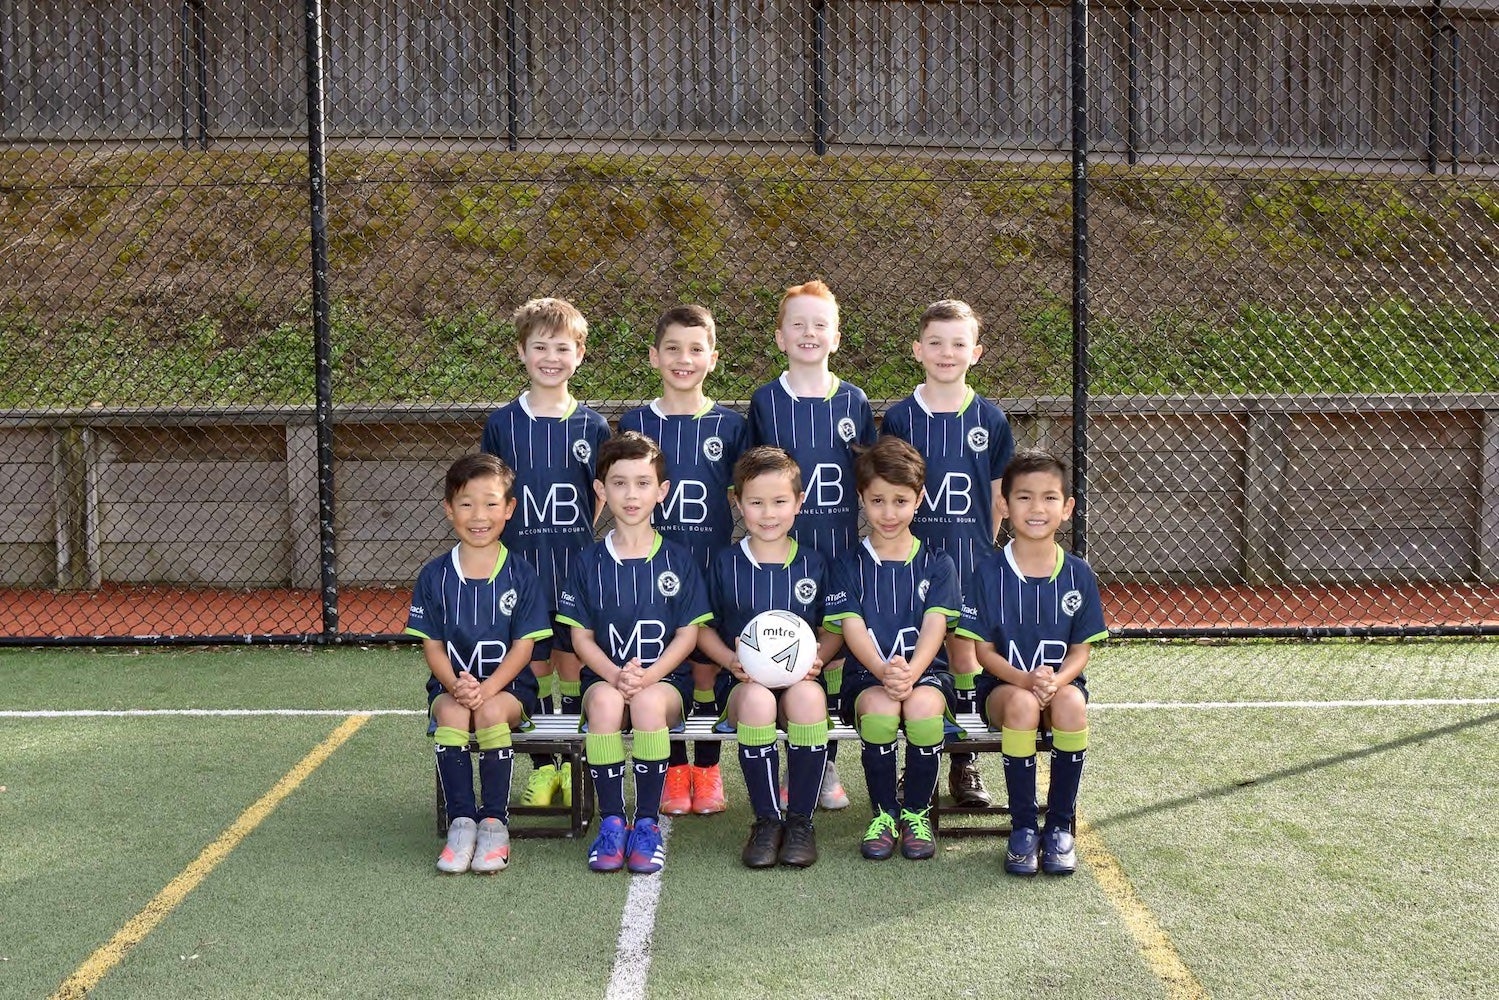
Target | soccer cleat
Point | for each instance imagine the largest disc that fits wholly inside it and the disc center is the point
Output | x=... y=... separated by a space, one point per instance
x=879 y=839
x=565 y=783
x=676 y=797
x=1058 y=851
x=966 y=784
x=458 y=853
x=799 y=846
x=608 y=851
x=916 y=840
x=1020 y=853
x=707 y=790
x=764 y=843
x=493 y=851
x=647 y=848
x=542 y=786
x=832 y=795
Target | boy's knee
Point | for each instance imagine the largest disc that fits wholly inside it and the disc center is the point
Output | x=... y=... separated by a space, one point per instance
x=1021 y=709
x=754 y=705
x=805 y=703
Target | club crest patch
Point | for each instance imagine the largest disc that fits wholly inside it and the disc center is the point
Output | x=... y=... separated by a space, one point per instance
x=668 y=584
x=582 y=450
x=507 y=602
x=846 y=429
x=1071 y=602
x=978 y=439
x=713 y=449
x=805 y=590
x=921 y=589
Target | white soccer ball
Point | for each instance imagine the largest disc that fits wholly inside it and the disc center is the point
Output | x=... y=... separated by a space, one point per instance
x=776 y=648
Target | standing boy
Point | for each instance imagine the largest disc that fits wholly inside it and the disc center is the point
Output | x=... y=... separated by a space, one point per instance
x=818 y=419
x=966 y=442
x=634 y=602
x=478 y=614
x=701 y=441
x=551 y=441
x=1035 y=611
x=894 y=602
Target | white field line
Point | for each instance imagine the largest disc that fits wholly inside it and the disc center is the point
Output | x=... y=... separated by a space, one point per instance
x=632 y=955
x=1136 y=706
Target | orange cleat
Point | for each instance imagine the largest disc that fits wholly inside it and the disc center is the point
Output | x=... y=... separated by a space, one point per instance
x=676 y=798
x=707 y=790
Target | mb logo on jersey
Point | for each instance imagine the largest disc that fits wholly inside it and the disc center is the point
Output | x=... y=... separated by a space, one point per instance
x=581 y=450
x=846 y=429
x=978 y=439
x=507 y=602
x=1071 y=601
x=805 y=590
x=713 y=449
x=668 y=584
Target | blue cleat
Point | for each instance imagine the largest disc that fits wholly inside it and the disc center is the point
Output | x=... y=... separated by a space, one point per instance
x=1058 y=852
x=608 y=851
x=647 y=848
x=1021 y=854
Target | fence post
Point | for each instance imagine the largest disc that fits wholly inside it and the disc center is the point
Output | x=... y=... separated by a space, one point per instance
x=1132 y=97
x=1433 y=83
x=512 y=77
x=819 y=77
x=317 y=183
x=1454 y=111
x=1079 y=54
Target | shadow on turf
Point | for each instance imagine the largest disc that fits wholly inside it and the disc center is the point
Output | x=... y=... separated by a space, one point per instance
x=1223 y=791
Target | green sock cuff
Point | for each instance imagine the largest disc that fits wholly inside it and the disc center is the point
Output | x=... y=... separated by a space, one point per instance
x=544 y=685
x=965 y=682
x=654 y=744
x=495 y=737
x=702 y=696
x=833 y=677
x=925 y=732
x=879 y=728
x=1017 y=742
x=604 y=749
x=447 y=736
x=570 y=689
x=807 y=734
x=1069 y=742
x=756 y=736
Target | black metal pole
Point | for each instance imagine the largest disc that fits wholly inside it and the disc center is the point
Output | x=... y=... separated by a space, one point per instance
x=1079 y=53
x=819 y=77
x=317 y=184
x=200 y=46
x=512 y=77
x=1453 y=107
x=1132 y=69
x=187 y=74
x=1433 y=83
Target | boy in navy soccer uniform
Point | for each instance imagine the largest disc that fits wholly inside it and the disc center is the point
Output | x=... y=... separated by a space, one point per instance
x=819 y=419
x=768 y=571
x=634 y=602
x=701 y=441
x=894 y=603
x=478 y=614
x=966 y=442
x=1034 y=611
x=551 y=441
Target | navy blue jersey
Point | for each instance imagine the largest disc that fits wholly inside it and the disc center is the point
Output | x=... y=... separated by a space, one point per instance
x=634 y=606
x=966 y=453
x=554 y=459
x=700 y=449
x=820 y=434
x=740 y=587
x=478 y=620
x=1032 y=620
x=892 y=598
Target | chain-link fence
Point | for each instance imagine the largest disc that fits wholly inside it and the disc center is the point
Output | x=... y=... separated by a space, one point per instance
x=1247 y=284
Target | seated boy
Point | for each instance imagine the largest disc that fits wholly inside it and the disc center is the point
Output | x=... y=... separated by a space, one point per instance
x=1034 y=611
x=768 y=570
x=894 y=603
x=479 y=612
x=634 y=602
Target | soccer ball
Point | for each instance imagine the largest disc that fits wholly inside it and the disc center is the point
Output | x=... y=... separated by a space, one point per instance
x=777 y=648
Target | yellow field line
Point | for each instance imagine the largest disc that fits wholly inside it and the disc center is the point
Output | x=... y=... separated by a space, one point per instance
x=1150 y=937
x=97 y=965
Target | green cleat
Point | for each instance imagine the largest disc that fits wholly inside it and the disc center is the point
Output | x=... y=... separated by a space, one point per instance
x=542 y=786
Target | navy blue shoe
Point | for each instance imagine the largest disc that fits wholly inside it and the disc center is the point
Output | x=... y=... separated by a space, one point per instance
x=1058 y=852
x=1021 y=856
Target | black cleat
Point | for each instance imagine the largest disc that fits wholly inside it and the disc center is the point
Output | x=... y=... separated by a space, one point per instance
x=799 y=848
x=966 y=784
x=916 y=840
x=764 y=844
x=1058 y=852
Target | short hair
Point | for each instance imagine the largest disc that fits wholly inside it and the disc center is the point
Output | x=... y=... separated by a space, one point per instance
x=689 y=316
x=816 y=288
x=627 y=446
x=766 y=460
x=892 y=459
x=557 y=317
x=476 y=466
x=949 y=309
x=1034 y=460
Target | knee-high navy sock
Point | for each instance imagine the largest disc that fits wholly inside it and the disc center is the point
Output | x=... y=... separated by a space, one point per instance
x=760 y=759
x=606 y=766
x=455 y=769
x=1018 y=747
x=651 y=752
x=1069 y=750
x=923 y=759
x=807 y=755
x=496 y=765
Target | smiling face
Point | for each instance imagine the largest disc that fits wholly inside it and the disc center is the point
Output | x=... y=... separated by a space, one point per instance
x=684 y=357
x=632 y=490
x=809 y=329
x=769 y=504
x=1037 y=505
x=479 y=511
x=946 y=349
x=889 y=507
x=550 y=359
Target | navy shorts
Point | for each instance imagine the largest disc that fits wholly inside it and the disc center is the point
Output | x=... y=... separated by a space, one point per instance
x=560 y=640
x=986 y=683
x=523 y=691
x=681 y=679
x=857 y=682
